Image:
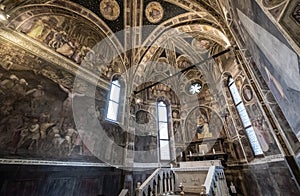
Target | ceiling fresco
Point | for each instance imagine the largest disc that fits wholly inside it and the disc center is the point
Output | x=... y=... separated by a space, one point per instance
x=72 y=29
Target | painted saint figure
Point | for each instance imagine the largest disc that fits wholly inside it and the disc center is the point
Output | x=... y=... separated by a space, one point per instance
x=37 y=97
x=203 y=127
x=67 y=103
x=37 y=29
x=261 y=135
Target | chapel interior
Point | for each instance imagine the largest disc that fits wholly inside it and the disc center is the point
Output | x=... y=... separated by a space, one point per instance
x=149 y=97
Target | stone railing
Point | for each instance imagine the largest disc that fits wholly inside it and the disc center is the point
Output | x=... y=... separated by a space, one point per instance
x=190 y=179
x=201 y=178
x=160 y=182
x=124 y=192
x=204 y=178
x=215 y=182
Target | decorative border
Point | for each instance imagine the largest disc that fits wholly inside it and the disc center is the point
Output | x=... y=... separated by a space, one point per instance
x=50 y=163
x=267 y=159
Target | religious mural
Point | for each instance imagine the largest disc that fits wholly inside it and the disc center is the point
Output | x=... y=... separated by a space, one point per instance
x=145 y=137
x=201 y=45
x=30 y=104
x=183 y=62
x=203 y=123
x=73 y=37
x=64 y=34
x=56 y=33
x=36 y=117
x=110 y=9
x=277 y=63
x=262 y=130
x=154 y=12
x=37 y=120
x=259 y=123
x=177 y=130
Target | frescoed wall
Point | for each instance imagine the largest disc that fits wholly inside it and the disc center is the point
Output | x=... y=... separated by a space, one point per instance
x=275 y=62
x=36 y=120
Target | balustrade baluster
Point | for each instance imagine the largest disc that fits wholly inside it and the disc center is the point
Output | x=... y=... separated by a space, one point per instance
x=171 y=182
x=168 y=184
x=159 y=185
x=154 y=186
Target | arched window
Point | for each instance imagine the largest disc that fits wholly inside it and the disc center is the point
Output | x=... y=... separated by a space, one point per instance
x=163 y=131
x=244 y=117
x=114 y=101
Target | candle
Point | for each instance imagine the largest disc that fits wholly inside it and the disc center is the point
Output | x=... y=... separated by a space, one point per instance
x=214 y=151
x=203 y=152
x=181 y=155
x=190 y=153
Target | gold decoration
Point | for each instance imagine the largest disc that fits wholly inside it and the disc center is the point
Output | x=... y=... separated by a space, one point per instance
x=110 y=9
x=201 y=46
x=272 y=3
x=183 y=62
x=154 y=12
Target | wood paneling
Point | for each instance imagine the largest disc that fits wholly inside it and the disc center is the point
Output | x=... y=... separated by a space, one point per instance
x=59 y=181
